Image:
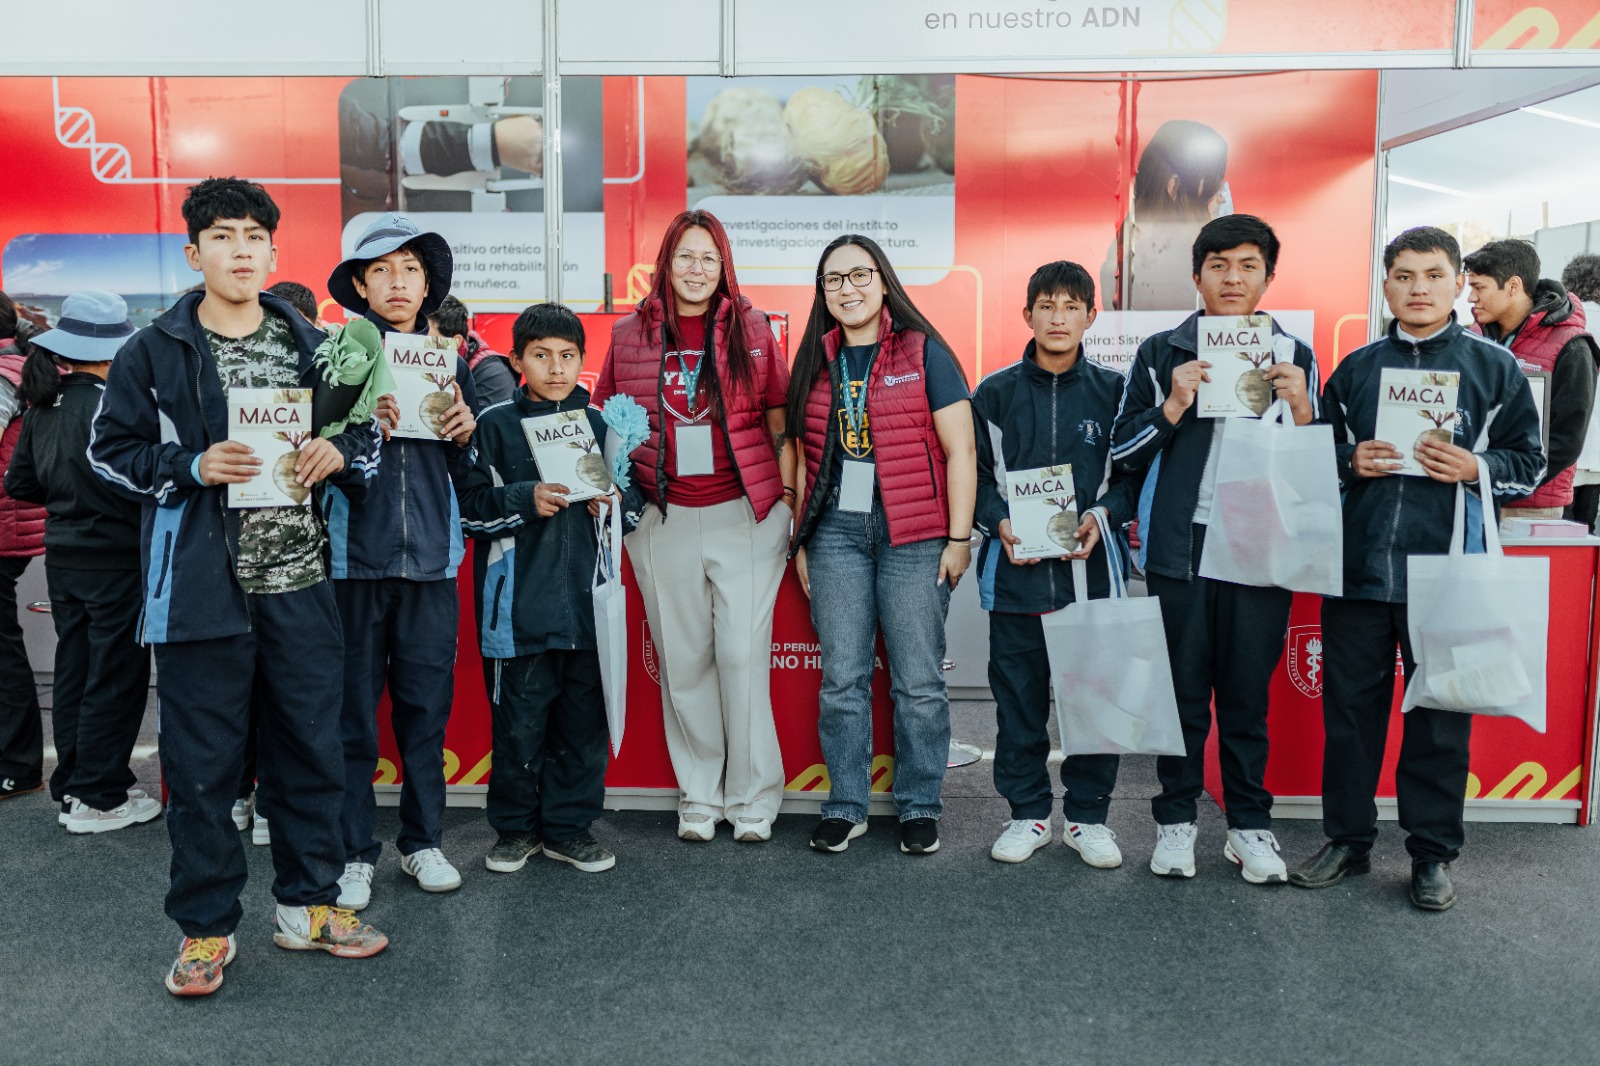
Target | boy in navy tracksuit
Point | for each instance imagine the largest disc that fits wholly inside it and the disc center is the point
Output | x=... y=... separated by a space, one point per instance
x=395 y=554
x=236 y=602
x=1224 y=639
x=538 y=629
x=1052 y=408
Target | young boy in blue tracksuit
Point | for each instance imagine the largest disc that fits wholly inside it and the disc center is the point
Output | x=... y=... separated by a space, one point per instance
x=236 y=602
x=1051 y=408
x=395 y=554
x=538 y=629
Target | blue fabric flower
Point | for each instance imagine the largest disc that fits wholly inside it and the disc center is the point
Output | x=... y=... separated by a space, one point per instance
x=625 y=418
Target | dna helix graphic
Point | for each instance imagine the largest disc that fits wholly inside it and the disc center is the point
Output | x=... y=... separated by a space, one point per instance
x=108 y=161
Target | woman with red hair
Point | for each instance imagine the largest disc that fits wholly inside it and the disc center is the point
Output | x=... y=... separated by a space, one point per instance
x=709 y=550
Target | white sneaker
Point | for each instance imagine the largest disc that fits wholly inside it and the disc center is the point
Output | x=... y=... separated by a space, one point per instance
x=259 y=833
x=65 y=812
x=1174 y=854
x=1022 y=837
x=751 y=830
x=432 y=870
x=1256 y=853
x=696 y=827
x=241 y=814
x=355 y=886
x=1094 y=843
x=137 y=809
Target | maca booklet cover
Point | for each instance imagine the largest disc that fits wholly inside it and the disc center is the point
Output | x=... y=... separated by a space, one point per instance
x=1239 y=349
x=567 y=453
x=1414 y=405
x=273 y=423
x=1044 y=511
x=424 y=369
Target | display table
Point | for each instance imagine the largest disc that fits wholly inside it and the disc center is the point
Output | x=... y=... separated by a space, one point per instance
x=1517 y=775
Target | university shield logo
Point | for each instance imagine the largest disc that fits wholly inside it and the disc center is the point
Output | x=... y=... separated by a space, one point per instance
x=649 y=653
x=1304 y=661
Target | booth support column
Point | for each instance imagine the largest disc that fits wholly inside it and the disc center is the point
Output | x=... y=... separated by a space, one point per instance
x=553 y=201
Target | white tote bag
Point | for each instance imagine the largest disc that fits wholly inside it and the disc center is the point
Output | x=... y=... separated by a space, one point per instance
x=1276 y=518
x=1479 y=624
x=611 y=620
x=1110 y=673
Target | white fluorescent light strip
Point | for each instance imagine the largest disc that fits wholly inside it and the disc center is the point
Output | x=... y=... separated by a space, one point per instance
x=1559 y=117
x=1430 y=187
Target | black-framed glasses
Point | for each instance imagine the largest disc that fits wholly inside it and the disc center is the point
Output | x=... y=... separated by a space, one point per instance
x=860 y=278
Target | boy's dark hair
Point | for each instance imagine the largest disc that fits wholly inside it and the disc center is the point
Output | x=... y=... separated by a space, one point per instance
x=451 y=319
x=1230 y=231
x=1061 y=277
x=219 y=198
x=1581 y=277
x=1504 y=260
x=299 y=297
x=545 y=321
x=1422 y=239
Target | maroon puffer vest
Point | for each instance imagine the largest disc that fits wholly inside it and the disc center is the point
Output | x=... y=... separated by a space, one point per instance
x=634 y=366
x=905 y=446
x=1536 y=346
x=21 y=524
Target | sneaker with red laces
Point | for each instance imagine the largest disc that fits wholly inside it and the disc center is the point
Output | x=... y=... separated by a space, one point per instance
x=324 y=928
x=198 y=971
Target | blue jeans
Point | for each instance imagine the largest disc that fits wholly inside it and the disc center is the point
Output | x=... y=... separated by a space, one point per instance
x=859 y=582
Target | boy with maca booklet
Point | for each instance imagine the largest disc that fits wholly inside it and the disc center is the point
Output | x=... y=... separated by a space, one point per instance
x=1046 y=495
x=540 y=453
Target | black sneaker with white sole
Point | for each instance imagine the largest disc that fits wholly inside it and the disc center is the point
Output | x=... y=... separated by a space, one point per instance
x=835 y=834
x=510 y=853
x=10 y=787
x=582 y=852
x=919 y=836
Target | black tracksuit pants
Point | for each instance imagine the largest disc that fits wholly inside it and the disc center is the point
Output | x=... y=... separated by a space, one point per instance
x=1019 y=677
x=1224 y=641
x=21 y=735
x=293 y=657
x=102 y=682
x=550 y=745
x=1358 y=642
x=402 y=634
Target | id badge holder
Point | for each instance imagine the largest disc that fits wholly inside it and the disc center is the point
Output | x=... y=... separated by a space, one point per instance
x=855 y=486
x=693 y=448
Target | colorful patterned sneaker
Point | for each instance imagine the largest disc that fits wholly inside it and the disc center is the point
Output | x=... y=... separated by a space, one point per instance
x=355 y=886
x=511 y=852
x=10 y=787
x=324 y=928
x=1094 y=843
x=198 y=971
x=432 y=870
x=1256 y=853
x=582 y=852
x=1022 y=837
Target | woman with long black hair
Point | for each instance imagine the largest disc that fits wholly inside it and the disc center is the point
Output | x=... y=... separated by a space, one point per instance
x=709 y=547
x=881 y=410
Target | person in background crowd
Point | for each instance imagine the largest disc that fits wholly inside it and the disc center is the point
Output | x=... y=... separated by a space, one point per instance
x=1581 y=278
x=21 y=539
x=1386 y=519
x=718 y=477
x=880 y=408
x=1051 y=408
x=239 y=605
x=1545 y=328
x=492 y=375
x=301 y=299
x=1224 y=639
x=91 y=545
x=395 y=553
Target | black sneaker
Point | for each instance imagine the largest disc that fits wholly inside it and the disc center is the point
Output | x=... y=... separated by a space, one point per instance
x=835 y=834
x=10 y=787
x=510 y=853
x=919 y=836
x=583 y=852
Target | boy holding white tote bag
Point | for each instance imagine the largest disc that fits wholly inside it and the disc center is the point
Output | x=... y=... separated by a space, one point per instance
x=1390 y=515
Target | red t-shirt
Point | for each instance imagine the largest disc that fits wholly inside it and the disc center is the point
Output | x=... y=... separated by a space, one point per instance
x=695 y=490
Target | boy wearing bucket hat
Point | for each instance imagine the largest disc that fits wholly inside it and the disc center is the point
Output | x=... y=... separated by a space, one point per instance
x=395 y=555
x=237 y=603
x=91 y=544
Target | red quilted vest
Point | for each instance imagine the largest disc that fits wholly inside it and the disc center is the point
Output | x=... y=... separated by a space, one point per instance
x=21 y=524
x=905 y=446
x=634 y=366
x=1536 y=347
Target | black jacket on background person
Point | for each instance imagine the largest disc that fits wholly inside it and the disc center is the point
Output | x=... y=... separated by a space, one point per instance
x=88 y=524
x=1026 y=418
x=1388 y=518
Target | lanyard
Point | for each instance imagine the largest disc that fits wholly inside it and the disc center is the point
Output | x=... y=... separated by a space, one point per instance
x=691 y=379
x=855 y=408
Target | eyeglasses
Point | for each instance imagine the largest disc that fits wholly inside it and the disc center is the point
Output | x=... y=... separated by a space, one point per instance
x=685 y=262
x=860 y=277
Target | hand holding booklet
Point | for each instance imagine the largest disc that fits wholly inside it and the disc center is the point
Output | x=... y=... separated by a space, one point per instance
x=1239 y=349
x=424 y=373
x=567 y=454
x=1043 y=510
x=273 y=423
x=1413 y=406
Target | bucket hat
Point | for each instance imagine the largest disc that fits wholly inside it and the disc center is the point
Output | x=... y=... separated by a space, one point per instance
x=388 y=234
x=93 y=325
